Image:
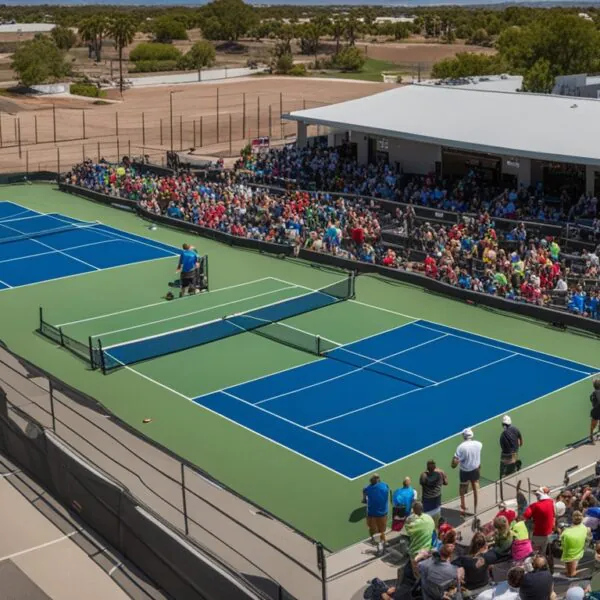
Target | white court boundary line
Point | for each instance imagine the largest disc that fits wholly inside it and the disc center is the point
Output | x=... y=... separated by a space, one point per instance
x=22 y=212
x=358 y=369
x=368 y=406
x=338 y=442
x=128 y=310
x=17 y=258
x=195 y=312
x=40 y=547
x=383 y=465
x=55 y=250
x=487 y=337
x=107 y=234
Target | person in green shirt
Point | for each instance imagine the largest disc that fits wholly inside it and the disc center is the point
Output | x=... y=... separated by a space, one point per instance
x=573 y=540
x=419 y=529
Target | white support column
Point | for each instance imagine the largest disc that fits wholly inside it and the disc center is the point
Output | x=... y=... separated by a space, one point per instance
x=590 y=179
x=524 y=175
x=301 y=136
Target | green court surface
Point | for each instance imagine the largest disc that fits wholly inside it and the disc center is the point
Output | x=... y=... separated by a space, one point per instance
x=321 y=503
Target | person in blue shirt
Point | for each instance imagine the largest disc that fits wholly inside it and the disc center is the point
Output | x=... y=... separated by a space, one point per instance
x=376 y=496
x=402 y=500
x=187 y=269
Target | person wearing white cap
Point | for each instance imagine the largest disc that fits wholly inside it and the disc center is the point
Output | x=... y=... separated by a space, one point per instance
x=468 y=458
x=510 y=442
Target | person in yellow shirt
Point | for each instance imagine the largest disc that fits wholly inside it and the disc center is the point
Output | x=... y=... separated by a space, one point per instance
x=573 y=540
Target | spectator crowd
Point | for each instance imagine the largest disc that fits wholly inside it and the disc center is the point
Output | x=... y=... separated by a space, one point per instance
x=473 y=253
x=536 y=548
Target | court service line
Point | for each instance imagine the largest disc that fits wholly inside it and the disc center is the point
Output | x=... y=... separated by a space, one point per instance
x=368 y=406
x=221 y=319
x=6 y=284
x=131 y=264
x=55 y=249
x=16 y=258
x=22 y=212
x=478 y=425
x=487 y=337
x=128 y=310
x=218 y=414
x=504 y=349
x=305 y=428
x=195 y=312
x=40 y=547
x=157 y=246
x=304 y=364
x=353 y=371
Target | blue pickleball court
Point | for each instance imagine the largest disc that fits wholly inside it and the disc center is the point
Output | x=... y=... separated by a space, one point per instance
x=333 y=411
x=36 y=247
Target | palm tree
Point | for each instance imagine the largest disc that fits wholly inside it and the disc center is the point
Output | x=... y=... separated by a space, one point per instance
x=122 y=30
x=92 y=31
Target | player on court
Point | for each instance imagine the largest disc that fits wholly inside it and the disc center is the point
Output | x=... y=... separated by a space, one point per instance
x=188 y=269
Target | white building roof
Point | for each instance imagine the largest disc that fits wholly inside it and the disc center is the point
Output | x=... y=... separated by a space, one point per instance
x=537 y=126
x=27 y=27
x=490 y=83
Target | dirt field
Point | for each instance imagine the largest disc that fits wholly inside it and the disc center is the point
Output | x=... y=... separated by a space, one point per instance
x=216 y=119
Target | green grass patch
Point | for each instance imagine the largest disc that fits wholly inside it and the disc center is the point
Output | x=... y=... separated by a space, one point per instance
x=86 y=89
x=371 y=71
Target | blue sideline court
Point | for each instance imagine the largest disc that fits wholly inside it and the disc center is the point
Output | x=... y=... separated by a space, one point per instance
x=36 y=247
x=346 y=411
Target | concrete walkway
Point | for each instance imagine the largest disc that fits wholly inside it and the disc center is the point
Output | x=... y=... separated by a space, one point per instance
x=47 y=554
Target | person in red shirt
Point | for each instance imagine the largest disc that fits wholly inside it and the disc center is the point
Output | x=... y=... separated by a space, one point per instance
x=542 y=514
x=508 y=513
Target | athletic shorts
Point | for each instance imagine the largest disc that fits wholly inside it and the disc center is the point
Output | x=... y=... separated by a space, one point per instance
x=377 y=524
x=188 y=279
x=466 y=476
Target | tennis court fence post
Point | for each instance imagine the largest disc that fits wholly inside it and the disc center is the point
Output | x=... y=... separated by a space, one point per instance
x=51 y=396
x=322 y=564
x=184 y=500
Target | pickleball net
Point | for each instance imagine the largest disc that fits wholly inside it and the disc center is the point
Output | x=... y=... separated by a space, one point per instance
x=260 y=320
x=32 y=235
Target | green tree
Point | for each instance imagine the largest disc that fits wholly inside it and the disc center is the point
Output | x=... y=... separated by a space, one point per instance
x=234 y=17
x=349 y=59
x=480 y=37
x=92 y=31
x=467 y=64
x=569 y=43
x=39 y=61
x=401 y=31
x=63 y=37
x=284 y=64
x=122 y=30
x=202 y=54
x=166 y=29
x=539 y=78
x=351 y=29
x=338 y=27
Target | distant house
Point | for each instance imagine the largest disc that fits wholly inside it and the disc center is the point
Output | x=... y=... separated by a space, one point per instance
x=581 y=85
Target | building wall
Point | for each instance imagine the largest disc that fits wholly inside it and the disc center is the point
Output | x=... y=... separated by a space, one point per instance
x=522 y=171
x=415 y=157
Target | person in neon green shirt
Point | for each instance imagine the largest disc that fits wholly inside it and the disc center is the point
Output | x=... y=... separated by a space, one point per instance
x=573 y=540
x=554 y=251
x=419 y=529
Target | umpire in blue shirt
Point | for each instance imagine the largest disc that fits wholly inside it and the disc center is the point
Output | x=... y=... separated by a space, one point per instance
x=510 y=442
x=188 y=269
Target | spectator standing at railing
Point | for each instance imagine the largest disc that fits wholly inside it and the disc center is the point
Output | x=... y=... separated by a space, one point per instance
x=432 y=480
x=468 y=458
x=542 y=513
x=511 y=441
x=595 y=412
x=376 y=497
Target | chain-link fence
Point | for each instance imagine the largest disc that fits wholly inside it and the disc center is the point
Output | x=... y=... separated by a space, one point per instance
x=263 y=553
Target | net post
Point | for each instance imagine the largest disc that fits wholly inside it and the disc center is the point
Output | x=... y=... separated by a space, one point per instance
x=352 y=285
x=41 y=319
x=92 y=364
x=101 y=354
x=62 y=337
x=318 y=345
x=206 y=277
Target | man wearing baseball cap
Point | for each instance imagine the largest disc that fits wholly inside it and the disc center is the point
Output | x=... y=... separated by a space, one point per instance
x=468 y=458
x=510 y=442
x=542 y=513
